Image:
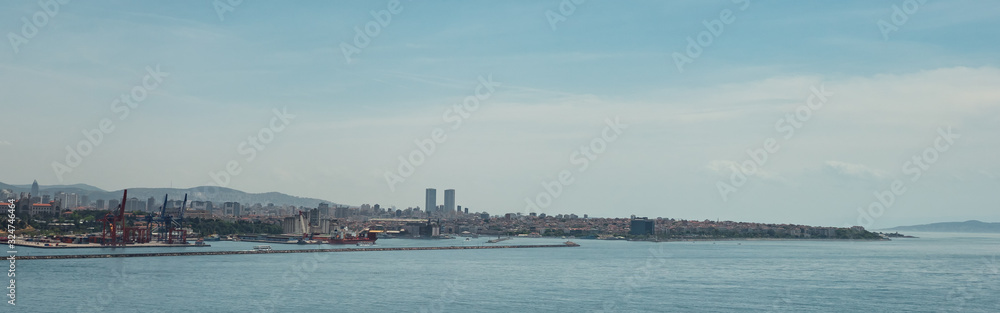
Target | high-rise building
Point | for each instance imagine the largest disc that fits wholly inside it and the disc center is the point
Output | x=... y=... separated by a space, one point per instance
x=314 y=217
x=201 y=205
x=34 y=189
x=70 y=200
x=341 y=212
x=151 y=204
x=100 y=204
x=46 y=198
x=134 y=204
x=85 y=201
x=231 y=209
x=431 y=203
x=449 y=201
x=324 y=209
x=642 y=226
x=59 y=197
x=113 y=204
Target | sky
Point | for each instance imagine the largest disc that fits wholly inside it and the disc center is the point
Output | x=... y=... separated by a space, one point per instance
x=871 y=113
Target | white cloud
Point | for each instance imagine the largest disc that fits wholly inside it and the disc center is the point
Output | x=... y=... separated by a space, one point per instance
x=725 y=167
x=854 y=170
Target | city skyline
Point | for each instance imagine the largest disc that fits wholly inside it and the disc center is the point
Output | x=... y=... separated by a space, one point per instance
x=831 y=115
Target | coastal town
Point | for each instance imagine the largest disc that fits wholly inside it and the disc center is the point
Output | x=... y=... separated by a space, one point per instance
x=61 y=214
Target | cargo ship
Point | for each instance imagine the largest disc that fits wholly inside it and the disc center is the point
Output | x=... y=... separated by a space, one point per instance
x=344 y=238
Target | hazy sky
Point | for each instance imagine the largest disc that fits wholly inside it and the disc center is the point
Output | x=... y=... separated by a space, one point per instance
x=555 y=73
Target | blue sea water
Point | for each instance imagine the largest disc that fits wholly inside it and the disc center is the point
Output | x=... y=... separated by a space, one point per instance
x=934 y=273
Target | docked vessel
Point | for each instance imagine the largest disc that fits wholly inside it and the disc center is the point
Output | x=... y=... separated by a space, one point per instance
x=346 y=238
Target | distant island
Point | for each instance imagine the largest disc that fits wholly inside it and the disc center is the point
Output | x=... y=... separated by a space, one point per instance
x=894 y=235
x=972 y=226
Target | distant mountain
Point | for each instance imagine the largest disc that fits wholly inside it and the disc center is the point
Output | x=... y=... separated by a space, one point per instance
x=202 y=193
x=60 y=187
x=954 y=227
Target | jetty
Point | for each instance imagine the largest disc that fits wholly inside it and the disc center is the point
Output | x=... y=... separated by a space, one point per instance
x=367 y=249
x=63 y=245
x=498 y=240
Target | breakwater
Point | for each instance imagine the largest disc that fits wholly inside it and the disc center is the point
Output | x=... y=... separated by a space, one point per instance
x=158 y=254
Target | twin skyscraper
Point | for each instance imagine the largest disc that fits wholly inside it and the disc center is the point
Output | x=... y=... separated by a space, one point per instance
x=431 y=201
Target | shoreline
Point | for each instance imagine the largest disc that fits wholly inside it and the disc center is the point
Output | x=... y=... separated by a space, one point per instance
x=51 y=245
x=755 y=239
x=158 y=254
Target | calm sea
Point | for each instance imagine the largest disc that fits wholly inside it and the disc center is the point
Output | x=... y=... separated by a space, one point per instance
x=937 y=272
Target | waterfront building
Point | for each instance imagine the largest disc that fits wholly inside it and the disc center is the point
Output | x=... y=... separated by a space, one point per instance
x=642 y=226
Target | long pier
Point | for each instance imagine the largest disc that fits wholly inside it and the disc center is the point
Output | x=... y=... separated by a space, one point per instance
x=138 y=255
